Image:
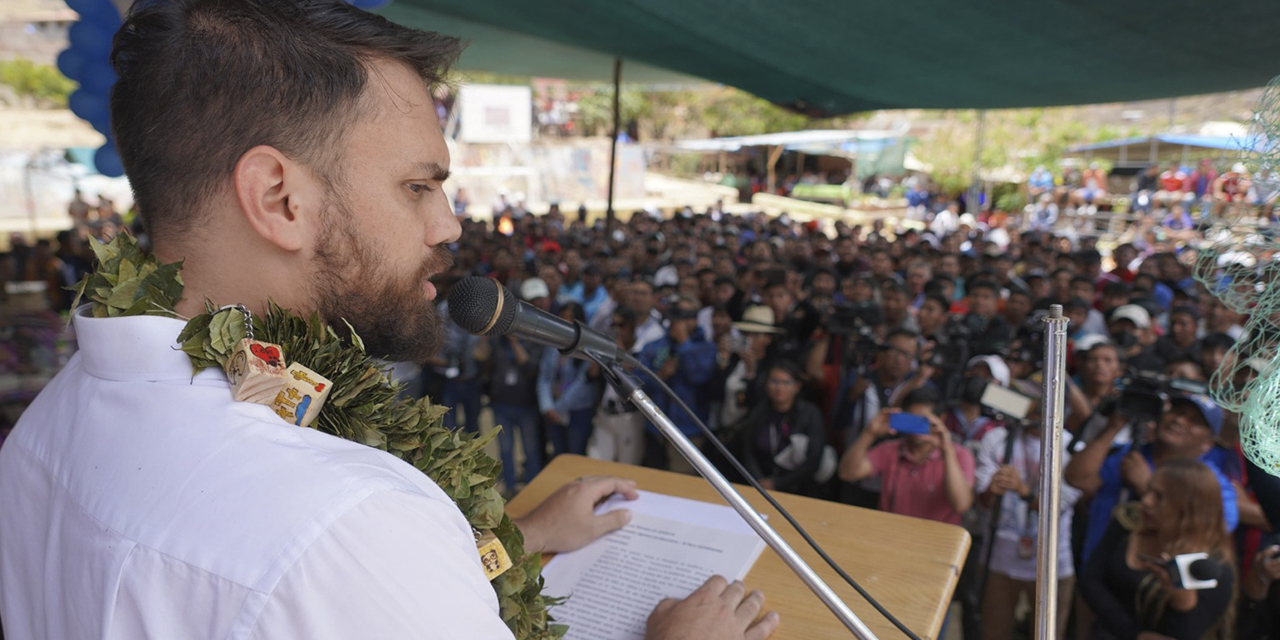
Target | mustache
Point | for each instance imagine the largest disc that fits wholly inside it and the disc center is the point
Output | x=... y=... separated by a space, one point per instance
x=438 y=261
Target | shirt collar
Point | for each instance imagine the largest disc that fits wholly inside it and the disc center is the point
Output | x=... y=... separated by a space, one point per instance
x=134 y=348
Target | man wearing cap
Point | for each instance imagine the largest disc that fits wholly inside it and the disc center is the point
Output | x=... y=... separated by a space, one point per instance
x=1186 y=430
x=686 y=361
x=1130 y=328
x=966 y=421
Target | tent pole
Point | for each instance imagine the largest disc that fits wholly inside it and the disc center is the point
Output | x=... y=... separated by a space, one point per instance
x=613 y=144
x=973 y=205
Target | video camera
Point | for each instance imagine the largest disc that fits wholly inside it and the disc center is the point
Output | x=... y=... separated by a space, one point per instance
x=857 y=323
x=955 y=343
x=1143 y=395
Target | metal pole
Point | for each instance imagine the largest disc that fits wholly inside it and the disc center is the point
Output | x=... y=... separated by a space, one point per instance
x=753 y=518
x=609 y=215
x=974 y=205
x=1055 y=380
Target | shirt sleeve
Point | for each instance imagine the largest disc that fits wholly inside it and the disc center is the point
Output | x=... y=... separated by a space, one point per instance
x=881 y=456
x=396 y=566
x=990 y=450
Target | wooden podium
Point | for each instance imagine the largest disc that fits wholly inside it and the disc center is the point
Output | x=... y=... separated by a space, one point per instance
x=910 y=565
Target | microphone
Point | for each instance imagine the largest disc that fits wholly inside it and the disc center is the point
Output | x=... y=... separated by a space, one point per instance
x=483 y=307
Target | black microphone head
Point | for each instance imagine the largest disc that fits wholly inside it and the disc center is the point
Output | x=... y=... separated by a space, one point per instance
x=1203 y=569
x=481 y=306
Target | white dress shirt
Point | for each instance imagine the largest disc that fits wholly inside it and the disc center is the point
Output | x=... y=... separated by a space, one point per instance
x=140 y=502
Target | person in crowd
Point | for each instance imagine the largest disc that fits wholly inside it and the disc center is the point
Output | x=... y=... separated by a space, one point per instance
x=1180 y=341
x=922 y=475
x=1007 y=482
x=567 y=392
x=618 y=427
x=1128 y=582
x=642 y=299
x=686 y=362
x=1130 y=330
x=895 y=305
x=933 y=317
x=741 y=362
x=514 y=366
x=966 y=420
x=798 y=320
x=989 y=332
x=1259 y=615
x=459 y=364
x=1113 y=476
x=783 y=436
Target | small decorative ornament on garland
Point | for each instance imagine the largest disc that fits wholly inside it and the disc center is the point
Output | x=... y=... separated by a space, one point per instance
x=313 y=377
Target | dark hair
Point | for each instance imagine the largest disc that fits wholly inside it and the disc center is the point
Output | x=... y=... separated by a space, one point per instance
x=626 y=314
x=1082 y=279
x=789 y=367
x=1116 y=289
x=1217 y=341
x=985 y=284
x=921 y=396
x=937 y=299
x=902 y=333
x=1076 y=303
x=575 y=309
x=203 y=81
x=1187 y=310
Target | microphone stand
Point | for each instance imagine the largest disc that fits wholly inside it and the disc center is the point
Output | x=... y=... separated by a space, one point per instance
x=627 y=388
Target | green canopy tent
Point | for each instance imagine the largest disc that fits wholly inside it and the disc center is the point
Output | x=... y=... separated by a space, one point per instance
x=835 y=56
x=826 y=57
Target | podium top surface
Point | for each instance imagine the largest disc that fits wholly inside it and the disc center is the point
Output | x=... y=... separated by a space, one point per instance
x=910 y=565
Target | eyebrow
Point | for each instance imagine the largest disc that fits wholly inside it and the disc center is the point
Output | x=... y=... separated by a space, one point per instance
x=434 y=170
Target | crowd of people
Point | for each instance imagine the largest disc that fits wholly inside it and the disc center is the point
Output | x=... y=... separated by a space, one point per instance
x=849 y=364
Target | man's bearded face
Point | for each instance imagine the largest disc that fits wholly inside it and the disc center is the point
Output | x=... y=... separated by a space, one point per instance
x=390 y=311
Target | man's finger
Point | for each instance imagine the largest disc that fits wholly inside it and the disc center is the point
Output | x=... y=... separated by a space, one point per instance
x=599 y=487
x=714 y=586
x=764 y=627
x=750 y=607
x=610 y=522
x=734 y=593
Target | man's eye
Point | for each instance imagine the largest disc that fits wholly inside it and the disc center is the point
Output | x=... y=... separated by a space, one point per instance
x=419 y=188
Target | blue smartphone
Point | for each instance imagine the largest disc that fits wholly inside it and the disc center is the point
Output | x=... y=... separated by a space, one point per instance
x=909 y=423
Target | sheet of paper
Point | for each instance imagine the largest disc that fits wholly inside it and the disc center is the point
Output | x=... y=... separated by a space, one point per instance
x=671 y=546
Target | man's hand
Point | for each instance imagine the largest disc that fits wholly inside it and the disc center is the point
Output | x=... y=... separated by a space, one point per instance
x=566 y=520
x=668 y=368
x=1135 y=471
x=1266 y=571
x=879 y=425
x=553 y=417
x=718 y=610
x=1007 y=479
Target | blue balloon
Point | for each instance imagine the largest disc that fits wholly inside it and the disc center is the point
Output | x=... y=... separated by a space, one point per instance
x=90 y=38
x=71 y=63
x=102 y=123
x=98 y=76
x=87 y=105
x=107 y=160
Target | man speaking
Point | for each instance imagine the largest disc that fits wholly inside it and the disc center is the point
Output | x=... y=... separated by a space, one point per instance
x=285 y=151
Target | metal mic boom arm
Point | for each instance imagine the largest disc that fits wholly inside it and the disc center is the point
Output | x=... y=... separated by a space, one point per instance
x=627 y=388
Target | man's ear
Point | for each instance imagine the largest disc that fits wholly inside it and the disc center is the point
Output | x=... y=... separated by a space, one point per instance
x=278 y=197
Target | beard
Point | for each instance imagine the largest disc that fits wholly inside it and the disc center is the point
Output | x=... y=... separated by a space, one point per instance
x=388 y=311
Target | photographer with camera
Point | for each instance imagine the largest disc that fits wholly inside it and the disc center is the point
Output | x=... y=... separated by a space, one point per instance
x=925 y=474
x=740 y=360
x=1185 y=430
x=1008 y=472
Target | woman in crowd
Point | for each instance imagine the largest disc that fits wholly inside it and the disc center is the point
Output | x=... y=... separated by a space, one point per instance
x=783 y=436
x=1136 y=597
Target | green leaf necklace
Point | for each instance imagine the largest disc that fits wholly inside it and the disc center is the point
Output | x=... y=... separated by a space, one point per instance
x=351 y=396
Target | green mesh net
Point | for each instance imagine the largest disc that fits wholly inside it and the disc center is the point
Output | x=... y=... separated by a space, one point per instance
x=1235 y=263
